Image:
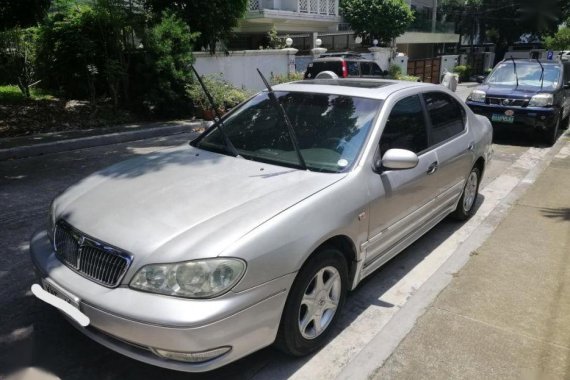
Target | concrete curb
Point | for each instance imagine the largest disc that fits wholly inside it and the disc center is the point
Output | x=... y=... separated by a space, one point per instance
x=373 y=356
x=98 y=140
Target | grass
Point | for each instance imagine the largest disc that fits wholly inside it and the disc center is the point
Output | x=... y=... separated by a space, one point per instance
x=12 y=94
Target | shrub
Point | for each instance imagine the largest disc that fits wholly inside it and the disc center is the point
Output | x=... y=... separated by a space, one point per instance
x=284 y=78
x=410 y=78
x=225 y=95
x=168 y=48
x=18 y=58
x=395 y=71
x=464 y=71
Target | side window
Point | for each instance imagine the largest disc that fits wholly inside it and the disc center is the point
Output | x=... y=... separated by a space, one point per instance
x=376 y=70
x=406 y=127
x=365 y=68
x=353 y=68
x=446 y=115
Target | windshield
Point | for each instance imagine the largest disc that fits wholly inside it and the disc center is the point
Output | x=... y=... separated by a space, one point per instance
x=529 y=75
x=331 y=130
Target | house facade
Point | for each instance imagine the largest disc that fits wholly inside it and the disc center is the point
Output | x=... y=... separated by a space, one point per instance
x=429 y=35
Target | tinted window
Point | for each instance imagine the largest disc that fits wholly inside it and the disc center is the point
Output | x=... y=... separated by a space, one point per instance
x=406 y=127
x=353 y=68
x=365 y=68
x=316 y=67
x=446 y=115
x=376 y=70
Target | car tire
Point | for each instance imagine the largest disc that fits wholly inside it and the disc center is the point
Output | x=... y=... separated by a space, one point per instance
x=552 y=134
x=309 y=316
x=466 y=206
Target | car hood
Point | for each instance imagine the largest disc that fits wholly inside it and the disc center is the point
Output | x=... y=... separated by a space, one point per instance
x=183 y=203
x=520 y=92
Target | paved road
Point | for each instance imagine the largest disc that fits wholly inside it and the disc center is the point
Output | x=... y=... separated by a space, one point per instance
x=34 y=334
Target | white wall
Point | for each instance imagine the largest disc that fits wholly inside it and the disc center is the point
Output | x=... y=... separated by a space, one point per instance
x=239 y=67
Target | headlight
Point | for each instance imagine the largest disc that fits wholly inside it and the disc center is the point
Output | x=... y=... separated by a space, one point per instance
x=192 y=279
x=541 y=100
x=477 y=96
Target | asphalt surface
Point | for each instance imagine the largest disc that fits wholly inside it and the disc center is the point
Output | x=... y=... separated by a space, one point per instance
x=33 y=334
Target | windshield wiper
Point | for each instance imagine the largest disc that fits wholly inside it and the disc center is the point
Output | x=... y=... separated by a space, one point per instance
x=541 y=74
x=218 y=119
x=290 y=129
x=515 y=70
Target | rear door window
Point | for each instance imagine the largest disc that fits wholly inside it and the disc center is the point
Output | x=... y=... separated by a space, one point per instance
x=406 y=127
x=353 y=69
x=365 y=68
x=446 y=115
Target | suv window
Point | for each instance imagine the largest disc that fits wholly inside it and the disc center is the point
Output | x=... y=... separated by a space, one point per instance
x=365 y=68
x=446 y=115
x=376 y=70
x=352 y=67
x=406 y=127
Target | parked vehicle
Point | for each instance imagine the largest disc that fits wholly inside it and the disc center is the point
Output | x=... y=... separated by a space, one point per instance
x=193 y=257
x=525 y=93
x=345 y=67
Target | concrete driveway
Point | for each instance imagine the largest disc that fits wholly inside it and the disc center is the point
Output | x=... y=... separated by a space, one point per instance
x=34 y=335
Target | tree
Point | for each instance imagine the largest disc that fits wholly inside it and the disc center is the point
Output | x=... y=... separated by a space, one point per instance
x=17 y=57
x=559 y=41
x=22 y=13
x=380 y=19
x=213 y=19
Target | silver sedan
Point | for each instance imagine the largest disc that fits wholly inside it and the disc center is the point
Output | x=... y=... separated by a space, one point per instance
x=193 y=257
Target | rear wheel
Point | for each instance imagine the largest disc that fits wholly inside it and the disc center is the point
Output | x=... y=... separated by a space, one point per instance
x=314 y=303
x=466 y=206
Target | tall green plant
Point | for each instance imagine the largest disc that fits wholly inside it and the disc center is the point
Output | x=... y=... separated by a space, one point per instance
x=168 y=47
x=18 y=58
x=377 y=19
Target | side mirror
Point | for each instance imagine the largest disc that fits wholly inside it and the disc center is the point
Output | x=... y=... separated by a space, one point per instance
x=399 y=159
x=480 y=78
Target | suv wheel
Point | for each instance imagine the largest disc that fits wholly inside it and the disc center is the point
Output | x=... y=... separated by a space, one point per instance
x=314 y=303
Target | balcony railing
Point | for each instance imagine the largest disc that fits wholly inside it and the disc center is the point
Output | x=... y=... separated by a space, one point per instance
x=316 y=7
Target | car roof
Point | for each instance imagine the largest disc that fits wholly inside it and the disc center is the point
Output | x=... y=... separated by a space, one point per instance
x=528 y=60
x=339 y=59
x=364 y=88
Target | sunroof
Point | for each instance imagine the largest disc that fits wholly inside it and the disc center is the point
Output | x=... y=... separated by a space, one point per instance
x=347 y=83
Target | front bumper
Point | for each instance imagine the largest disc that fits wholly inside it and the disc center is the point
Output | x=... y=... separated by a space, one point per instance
x=538 y=118
x=120 y=318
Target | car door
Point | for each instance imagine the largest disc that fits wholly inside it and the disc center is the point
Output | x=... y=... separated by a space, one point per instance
x=401 y=199
x=452 y=144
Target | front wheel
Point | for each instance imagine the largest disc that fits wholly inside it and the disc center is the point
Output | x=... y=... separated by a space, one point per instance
x=466 y=206
x=314 y=303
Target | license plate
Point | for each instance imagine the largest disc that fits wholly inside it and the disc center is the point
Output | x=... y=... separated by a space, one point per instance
x=57 y=291
x=502 y=118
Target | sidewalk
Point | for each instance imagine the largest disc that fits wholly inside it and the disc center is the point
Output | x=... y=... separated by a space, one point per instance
x=506 y=314
x=25 y=146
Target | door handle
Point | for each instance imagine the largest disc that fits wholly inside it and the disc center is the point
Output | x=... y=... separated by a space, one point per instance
x=470 y=146
x=432 y=168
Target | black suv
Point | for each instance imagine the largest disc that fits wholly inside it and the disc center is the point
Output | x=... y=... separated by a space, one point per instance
x=525 y=93
x=347 y=66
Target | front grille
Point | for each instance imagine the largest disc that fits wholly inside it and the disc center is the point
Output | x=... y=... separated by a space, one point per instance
x=507 y=102
x=95 y=260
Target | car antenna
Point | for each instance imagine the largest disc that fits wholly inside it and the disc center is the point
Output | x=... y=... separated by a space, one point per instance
x=290 y=129
x=515 y=69
x=541 y=74
x=218 y=119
